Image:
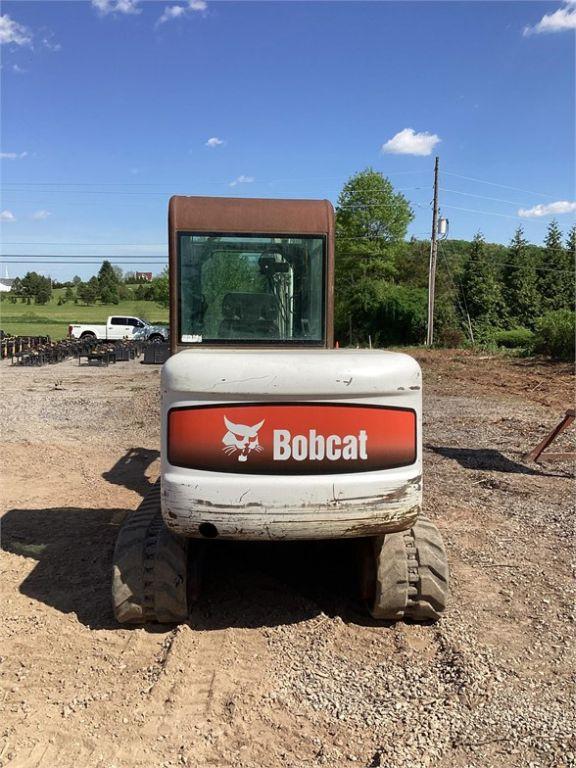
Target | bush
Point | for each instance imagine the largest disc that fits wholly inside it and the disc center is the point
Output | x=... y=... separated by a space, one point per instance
x=515 y=338
x=555 y=334
x=452 y=338
x=401 y=317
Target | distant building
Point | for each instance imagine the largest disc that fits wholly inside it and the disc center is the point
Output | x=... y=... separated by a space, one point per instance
x=145 y=277
x=6 y=284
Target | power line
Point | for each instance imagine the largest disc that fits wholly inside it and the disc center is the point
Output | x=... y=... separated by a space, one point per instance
x=170 y=193
x=495 y=184
x=24 y=187
x=112 y=260
x=490 y=213
x=482 y=197
x=152 y=184
x=71 y=257
x=161 y=245
x=82 y=245
x=18 y=186
x=132 y=245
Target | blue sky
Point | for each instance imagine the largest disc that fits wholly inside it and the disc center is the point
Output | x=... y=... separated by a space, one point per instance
x=107 y=110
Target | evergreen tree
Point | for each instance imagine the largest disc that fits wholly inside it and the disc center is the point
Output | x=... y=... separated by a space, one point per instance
x=43 y=293
x=108 y=284
x=551 y=275
x=89 y=292
x=481 y=286
x=521 y=282
x=37 y=287
x=571 y=243
x=569 y=282
x=17 y=290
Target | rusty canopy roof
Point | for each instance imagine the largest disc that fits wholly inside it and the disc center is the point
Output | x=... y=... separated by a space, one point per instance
x=246 y=215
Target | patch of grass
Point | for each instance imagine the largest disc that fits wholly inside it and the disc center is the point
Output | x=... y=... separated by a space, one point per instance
x=56 y=331
x=53 y=319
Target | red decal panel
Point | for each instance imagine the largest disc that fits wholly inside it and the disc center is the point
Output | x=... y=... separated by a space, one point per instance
x=291 y=439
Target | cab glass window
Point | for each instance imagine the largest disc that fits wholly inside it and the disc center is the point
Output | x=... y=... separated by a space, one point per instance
x=250 y=288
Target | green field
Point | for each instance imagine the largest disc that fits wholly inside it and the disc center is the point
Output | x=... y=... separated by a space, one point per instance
x=53 y=320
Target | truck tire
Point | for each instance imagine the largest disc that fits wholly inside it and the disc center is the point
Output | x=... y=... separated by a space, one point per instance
x=150 y=568
x=87 y=335
x=156 y=338
x=409 y=574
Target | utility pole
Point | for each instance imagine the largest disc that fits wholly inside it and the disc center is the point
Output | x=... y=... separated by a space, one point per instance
x=432 y=265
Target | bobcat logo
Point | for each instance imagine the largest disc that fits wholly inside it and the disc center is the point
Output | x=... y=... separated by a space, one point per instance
x=241 y=438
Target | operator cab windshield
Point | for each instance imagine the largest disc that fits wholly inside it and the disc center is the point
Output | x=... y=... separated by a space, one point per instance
x=251 y=289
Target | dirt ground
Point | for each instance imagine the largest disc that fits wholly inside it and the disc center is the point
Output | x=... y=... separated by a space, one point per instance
x=278 y=665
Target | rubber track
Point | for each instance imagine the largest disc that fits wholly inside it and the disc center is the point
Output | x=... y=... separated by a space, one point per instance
x=411 y=574
x=149 y=579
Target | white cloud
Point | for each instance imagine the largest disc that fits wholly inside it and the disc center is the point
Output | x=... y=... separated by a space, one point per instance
x=17 y=34
x=242 y=180
x=214 y=142
x=7 y=216
x=175 y=11
x=171 y=12
x=12 y=155
x=561 y=20
x=550 y=209
x=105 y=7
x=408 y=142
x=40 y=215
x=48 y=42
x=12 y=32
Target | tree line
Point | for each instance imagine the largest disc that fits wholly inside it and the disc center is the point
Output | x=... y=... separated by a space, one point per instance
x=485 y=292
x=110 y=286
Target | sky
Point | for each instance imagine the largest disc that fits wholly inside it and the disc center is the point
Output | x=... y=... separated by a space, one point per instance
x=111 y=106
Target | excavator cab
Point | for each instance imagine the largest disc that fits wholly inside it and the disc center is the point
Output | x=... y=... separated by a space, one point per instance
x=250 y=272
x=268 y=432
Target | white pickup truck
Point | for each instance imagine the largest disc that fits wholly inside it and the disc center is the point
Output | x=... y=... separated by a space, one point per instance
x=119 y=327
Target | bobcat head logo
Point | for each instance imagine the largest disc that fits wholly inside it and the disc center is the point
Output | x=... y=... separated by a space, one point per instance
x=241 y=439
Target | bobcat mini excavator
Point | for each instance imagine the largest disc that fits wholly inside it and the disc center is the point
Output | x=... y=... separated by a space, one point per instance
x=268 y=432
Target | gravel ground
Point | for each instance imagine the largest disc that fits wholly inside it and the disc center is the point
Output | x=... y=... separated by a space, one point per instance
x=278 y=665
